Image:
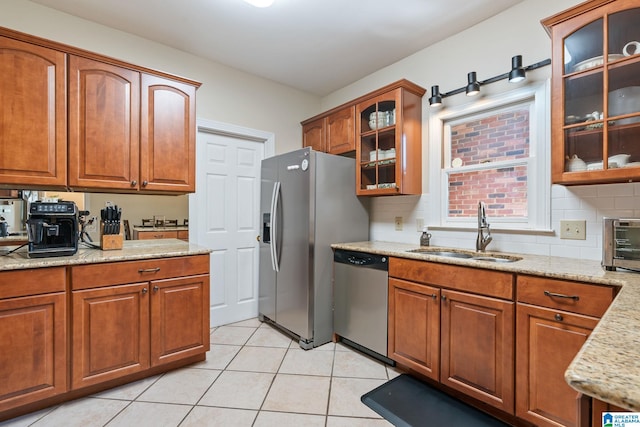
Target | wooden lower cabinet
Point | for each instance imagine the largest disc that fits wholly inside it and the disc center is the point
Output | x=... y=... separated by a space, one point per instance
x=463 y=340
x=547 y=341
x=33 y=336
x=477 y=347
x=414 y=326
x=110 y=333
x=124 y=328
x=179 y=318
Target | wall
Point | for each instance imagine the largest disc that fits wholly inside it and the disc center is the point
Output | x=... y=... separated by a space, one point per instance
x=226 y=95
x=487 y=48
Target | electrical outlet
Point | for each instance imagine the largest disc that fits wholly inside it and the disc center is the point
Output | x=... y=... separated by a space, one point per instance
x=398 y=223
x=419 y=224
x=573 y=229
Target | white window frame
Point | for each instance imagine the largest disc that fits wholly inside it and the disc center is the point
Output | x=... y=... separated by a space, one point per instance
x=538 y=162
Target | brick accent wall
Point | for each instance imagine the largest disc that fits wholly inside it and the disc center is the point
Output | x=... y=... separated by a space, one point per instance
x=503 y=136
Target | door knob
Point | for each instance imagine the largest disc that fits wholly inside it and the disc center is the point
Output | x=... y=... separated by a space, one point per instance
x=258 y=237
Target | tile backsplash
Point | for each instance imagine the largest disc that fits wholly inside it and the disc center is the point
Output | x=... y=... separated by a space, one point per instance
x=590 y=203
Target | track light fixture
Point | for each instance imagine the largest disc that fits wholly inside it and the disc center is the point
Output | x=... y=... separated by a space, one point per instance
x=473 y=87
x=517 y=74
x=436 y=98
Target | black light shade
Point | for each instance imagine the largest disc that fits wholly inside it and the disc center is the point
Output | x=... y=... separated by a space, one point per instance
x=473 y=88
x=517 y=73
x=436 y=98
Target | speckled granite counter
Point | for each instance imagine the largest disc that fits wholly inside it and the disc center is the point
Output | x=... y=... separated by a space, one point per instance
x=132 y=250
x=608 y=365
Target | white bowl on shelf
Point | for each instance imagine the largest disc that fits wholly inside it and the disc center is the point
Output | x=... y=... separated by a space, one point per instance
x=619 y=159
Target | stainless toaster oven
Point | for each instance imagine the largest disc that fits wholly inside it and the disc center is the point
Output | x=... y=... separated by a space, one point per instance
x=621 y=243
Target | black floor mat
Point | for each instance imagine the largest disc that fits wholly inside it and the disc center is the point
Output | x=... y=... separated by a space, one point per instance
x=407 y=402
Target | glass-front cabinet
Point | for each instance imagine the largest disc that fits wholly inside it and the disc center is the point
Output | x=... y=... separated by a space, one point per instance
x=389 y=141
x=596 y=93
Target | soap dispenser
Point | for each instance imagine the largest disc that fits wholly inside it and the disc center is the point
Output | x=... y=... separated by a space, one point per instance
x=425 y=237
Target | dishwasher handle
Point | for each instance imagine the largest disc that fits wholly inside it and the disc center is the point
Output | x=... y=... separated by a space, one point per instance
x=361 y=259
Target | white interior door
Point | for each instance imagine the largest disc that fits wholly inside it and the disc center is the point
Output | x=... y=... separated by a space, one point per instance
x=224 y=216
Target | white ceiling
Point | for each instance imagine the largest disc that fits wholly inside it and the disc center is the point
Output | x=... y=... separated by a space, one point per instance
x=316 y=46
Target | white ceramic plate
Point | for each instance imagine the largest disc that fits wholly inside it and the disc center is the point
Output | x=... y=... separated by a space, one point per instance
x=594 y=62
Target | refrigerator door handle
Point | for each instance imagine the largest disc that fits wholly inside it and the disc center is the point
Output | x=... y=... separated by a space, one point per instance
x=275 y=197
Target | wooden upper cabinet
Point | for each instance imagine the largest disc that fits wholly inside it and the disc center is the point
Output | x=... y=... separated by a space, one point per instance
x=595 y=86
x=129 y=128
x=104 y=123
x=33 y=115
x=389 y=141
x=167 y=137
x=340 y=130
x=314 y=134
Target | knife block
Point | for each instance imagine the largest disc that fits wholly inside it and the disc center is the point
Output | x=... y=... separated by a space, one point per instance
x=110 y=242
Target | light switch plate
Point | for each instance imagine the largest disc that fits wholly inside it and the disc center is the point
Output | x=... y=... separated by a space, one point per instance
x=398 y=222
x=573 y=229
x=419 y=224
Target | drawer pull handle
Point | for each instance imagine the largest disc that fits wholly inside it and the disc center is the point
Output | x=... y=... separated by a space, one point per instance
x=554 y=295
x=558 y=317
x=148 y=270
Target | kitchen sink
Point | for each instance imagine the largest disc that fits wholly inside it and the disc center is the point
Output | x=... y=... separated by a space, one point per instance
x=473 y=256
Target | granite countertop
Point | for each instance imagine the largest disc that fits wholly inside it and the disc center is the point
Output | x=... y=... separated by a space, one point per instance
x=608 y=365
x=132 y=250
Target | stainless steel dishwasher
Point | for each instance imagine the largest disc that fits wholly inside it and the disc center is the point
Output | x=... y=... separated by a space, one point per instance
x=360 y=299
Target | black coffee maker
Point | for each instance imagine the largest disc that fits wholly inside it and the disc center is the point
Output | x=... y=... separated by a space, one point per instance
x=53 y=229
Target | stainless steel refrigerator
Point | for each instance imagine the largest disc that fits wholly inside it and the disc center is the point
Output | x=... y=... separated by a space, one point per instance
x=308 y=201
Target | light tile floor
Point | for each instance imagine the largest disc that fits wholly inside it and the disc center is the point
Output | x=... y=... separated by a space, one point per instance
x=253 y=376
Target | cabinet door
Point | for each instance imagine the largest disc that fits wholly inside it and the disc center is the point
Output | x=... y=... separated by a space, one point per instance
x=104 y=122
x=179 y=318
x=313 y=135
x=477 y=347
x=341 y=131
x=168 y=135
x=414 y=326
x=547 y=341
x=33 y=115
x=110 y=335
x=33 y=350
x=596 y=73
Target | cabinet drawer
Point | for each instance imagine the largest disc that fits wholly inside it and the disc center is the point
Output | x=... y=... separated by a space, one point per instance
x=183 y=235
x=107 y=274
x=147 y=235
x=35 y=281
x=583 y=298
x=486 y=282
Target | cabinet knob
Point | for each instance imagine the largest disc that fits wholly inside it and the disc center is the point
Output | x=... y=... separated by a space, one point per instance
x=434 y=296
x=144 y=290
x=144 y=183
x=156 y=288
x=558 y=317
x=443 y=297
x=134 y=183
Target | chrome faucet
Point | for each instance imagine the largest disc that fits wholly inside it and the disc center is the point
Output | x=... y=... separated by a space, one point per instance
x=484 y=234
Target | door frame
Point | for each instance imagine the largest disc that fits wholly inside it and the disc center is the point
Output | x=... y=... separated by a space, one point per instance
x=225 y=129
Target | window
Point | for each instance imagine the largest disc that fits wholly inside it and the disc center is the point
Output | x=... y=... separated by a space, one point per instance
x=494 y=150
